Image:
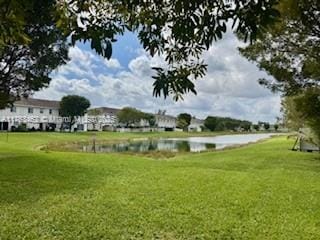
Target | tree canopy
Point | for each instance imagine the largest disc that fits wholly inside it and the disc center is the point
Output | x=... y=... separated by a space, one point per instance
x=130 y=116
x=150 y=118
x=290 y=51
x=73 y=106
x=264 y=126
x=26 y=62
x=210 y=123
x=214 y=123
x=180 y=30
x=183 y=121
x=292 y=117
x=309 y=105
x=303 y=111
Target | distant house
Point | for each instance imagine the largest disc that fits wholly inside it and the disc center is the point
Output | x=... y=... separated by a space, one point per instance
x=39 y=114
x=196 y=125
x=105 y=118
x=106 y=111
x=33 y=113
x=102 y=118
x=166 y=122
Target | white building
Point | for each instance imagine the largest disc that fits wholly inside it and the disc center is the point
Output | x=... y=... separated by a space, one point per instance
x=33 y=114
x=42 y=115
x=195 y=125
x=102 y=118
x=166 y=122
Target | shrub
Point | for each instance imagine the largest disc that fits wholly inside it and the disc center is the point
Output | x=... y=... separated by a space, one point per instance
x=21 y=128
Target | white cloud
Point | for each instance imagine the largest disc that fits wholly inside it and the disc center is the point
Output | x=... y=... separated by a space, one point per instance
x=83 y=57
x=230 y=87
x=229 y=73
x=81 y=64
x=112 y=63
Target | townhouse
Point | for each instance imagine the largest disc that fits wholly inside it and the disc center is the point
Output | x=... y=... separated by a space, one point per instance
x=31 y=113
x=43 y=115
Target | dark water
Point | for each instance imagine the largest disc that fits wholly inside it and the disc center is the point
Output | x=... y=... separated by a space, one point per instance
x=192 y=144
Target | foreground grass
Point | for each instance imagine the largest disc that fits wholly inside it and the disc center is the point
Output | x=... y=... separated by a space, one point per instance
x=262 y=191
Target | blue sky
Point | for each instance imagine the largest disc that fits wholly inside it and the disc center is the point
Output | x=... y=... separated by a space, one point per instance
x=124 y=50
x=230 y=87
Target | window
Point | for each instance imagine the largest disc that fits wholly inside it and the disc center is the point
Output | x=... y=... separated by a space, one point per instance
x=13 y=109
x=50 y=111
x=30 y=110
x=41 y=110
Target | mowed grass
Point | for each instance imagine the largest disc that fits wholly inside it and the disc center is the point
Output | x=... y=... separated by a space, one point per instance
x=260 y=191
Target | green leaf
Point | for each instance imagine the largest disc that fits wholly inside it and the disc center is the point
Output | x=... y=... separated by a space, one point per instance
x=108 y=50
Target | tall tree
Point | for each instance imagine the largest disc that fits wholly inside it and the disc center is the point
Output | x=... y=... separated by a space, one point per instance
x=308 y=104
x=303 y=111
x=73 y=106
x=130 y=116
x=256 y=127
x=210 y=123
x=150 y=118
x=25 y=68
x=181 y=30
x=183 y=121
x=292 y=117
x=290 y=51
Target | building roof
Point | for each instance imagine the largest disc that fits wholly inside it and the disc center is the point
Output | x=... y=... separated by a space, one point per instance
x=165 y=116
x=105 y=110
x=33 y=102
x=196 y=121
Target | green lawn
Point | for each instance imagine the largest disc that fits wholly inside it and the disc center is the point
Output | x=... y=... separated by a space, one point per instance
x=261 y=191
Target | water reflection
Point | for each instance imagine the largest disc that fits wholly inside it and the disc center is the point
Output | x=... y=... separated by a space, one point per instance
x=151 y=145
x=192 y=144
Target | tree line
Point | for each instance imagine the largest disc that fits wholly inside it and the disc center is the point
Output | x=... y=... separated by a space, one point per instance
x=214 y=123
x=131 y=117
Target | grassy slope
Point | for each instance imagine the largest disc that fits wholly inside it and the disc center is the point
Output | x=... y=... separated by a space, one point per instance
x=262 y=191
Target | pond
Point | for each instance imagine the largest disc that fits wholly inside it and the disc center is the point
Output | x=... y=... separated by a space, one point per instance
x=191 y=144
